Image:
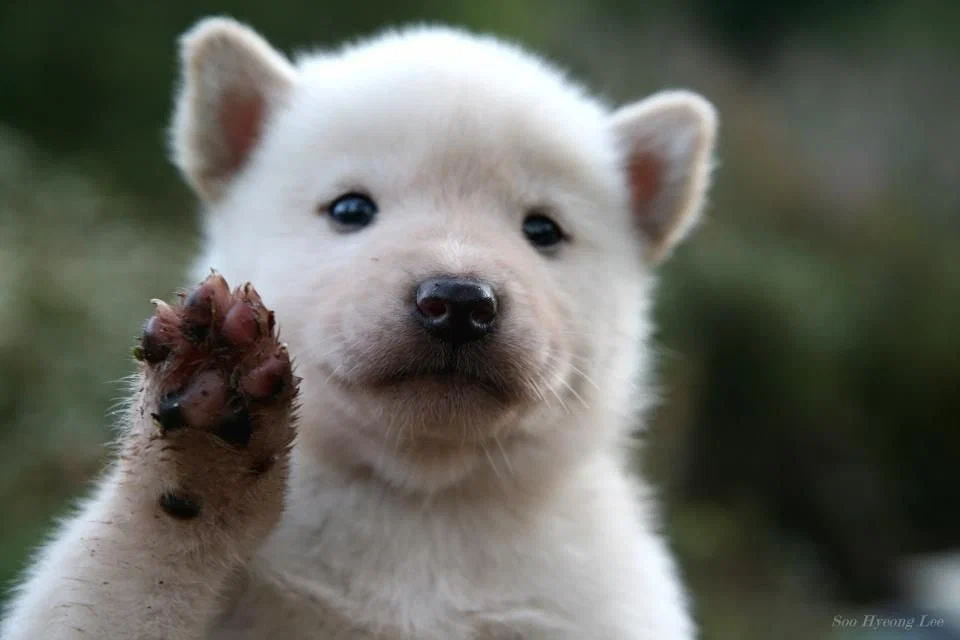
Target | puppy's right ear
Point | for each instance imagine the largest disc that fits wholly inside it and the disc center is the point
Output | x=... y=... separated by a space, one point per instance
x=232 y=81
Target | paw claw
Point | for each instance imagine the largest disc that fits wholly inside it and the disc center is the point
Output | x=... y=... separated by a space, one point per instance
x=162 y=307
x=250 y=293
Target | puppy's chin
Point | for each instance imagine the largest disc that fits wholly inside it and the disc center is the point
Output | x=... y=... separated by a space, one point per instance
x=419 y=466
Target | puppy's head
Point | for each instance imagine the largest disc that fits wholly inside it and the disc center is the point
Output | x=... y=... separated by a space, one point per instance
x=457 y=240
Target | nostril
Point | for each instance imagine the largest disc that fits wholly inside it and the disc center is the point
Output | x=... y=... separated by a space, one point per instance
x=433 y=308
x=484 y=313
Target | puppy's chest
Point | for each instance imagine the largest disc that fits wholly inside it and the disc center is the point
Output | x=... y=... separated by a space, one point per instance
x=417 y=580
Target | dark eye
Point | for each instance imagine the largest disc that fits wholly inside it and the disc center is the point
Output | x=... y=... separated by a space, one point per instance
x=541 y=231
x=353 y=210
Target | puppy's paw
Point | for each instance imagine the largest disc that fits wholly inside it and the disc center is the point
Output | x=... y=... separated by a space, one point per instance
x=215 y=411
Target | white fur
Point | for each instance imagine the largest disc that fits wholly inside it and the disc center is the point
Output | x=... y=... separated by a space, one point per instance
x=531 y=527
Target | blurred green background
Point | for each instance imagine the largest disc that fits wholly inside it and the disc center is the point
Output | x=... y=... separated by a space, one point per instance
x=809 y=354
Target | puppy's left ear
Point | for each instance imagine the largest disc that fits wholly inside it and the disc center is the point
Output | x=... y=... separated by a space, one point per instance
x=668 y=142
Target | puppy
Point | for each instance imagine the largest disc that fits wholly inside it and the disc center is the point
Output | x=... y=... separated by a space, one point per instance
x=459 y=244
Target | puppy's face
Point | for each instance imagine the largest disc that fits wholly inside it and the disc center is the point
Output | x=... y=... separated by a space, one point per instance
x=455 y=240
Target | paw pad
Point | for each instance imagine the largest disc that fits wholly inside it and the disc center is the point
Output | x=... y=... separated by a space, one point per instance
x=213 y=365
x=180 y=505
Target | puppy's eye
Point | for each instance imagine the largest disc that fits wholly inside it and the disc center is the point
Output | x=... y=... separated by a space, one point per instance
x=353 y=210
x=542 y=232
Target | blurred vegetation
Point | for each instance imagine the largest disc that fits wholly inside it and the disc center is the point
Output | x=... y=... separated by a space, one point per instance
x=810 y=360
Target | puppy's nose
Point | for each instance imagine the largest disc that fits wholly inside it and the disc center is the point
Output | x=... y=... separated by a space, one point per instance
x=456 y=310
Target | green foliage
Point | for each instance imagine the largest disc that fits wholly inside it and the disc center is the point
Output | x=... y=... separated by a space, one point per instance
x=75 y=266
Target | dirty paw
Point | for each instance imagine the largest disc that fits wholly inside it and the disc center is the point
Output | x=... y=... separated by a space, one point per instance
x=217 y=400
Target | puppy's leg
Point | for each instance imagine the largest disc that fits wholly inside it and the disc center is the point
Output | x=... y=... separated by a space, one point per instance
x=199 y=482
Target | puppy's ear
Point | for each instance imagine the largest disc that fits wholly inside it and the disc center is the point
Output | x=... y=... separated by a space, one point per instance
x=668 y=141
x=232 y=80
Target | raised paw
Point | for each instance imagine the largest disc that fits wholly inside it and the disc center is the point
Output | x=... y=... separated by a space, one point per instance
x=216 y=406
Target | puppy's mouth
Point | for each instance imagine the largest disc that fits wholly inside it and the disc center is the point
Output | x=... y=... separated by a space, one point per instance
x=451 y=377
x=449 y=370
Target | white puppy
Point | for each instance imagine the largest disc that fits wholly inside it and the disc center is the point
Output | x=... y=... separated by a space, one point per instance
x=458 y=244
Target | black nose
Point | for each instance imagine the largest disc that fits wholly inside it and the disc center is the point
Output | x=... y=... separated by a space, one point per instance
x=456 y=310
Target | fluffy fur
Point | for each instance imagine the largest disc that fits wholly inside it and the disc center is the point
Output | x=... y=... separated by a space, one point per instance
x=420 y=503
